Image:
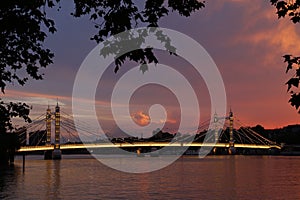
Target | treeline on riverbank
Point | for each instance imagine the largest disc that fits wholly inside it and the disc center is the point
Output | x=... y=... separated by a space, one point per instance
x=288 y=135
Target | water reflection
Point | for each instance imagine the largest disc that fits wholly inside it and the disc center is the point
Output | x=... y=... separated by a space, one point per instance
x=215 y=177
x=52 y=179
x=8 y=176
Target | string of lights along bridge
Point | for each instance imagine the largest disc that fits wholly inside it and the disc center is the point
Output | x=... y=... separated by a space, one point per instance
x=224 y=138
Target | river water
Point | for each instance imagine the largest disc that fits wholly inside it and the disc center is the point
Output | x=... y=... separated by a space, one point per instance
x=214 y=177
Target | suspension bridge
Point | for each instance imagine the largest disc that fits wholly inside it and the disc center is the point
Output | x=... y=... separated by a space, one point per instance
x=36 y=136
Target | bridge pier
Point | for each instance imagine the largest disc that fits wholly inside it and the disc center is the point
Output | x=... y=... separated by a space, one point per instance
x=56 y=154
x=231 y=150
x=52 y=154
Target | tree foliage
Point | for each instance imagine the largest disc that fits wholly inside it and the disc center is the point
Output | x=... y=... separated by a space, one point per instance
x=9 y=111
x=291 y=8
x=288 y=7
x=24 y=26
x=115 y=16
x=293 y=82
x=22 y=54
x=21 y=41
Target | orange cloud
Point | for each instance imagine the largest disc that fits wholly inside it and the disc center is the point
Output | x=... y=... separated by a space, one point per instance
x=141 y=118
x=262 y=28
x=171 y=121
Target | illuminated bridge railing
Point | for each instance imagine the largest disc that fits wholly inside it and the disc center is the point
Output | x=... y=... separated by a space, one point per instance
x=142 y=144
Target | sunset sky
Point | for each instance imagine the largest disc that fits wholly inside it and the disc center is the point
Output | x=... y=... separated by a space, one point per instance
x=244 y=38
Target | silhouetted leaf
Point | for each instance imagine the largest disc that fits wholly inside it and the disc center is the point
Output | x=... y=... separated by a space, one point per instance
x=295 y=19
x=292 y=82
x=289 y=67
x=94 y=16
x=287 y=58
x=144 y=68
x=295 y=100
x=281 y=13
x=298 y=72
x=290 y=8
x=273 y=1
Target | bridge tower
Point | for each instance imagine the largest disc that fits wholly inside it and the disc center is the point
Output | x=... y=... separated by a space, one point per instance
x=216 y=132
x=48 y=154
x=56 y=154
x=231 y=140
x=48 y=126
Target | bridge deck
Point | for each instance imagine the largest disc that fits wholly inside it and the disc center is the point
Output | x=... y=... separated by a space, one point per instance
x=140 y=144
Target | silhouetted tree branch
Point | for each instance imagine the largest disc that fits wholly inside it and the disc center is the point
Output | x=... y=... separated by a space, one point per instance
x=22 y=53
x=115 y=16
x=291 y=8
